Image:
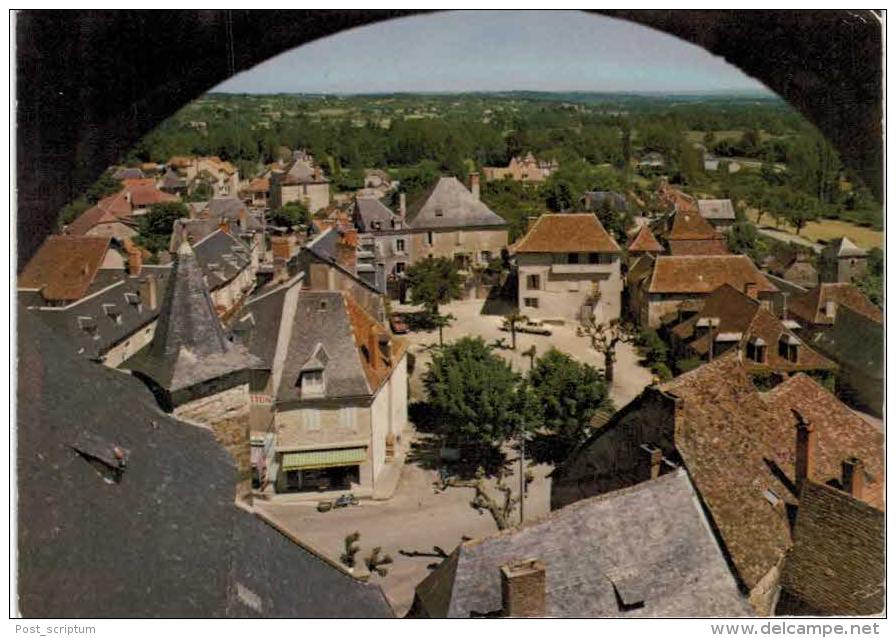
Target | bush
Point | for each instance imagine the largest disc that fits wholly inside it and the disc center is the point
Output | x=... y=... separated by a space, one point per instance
x=662 y=371
x=688 y=364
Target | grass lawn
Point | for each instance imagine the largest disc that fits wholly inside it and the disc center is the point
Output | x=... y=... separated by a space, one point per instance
x=828 y=229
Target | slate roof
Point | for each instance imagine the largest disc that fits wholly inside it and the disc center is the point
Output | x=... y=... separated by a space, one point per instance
x=704 y=273
x=369 y=211
x=604 y=200
x=189 y=346
x=222 y=257
x=836 y=564
x=854 y=341
x=843 y=247
x=448 y=204
x=810 y=306
x=739 y=314
x=167 y=540
x=193 y=229
x=567 y=233
x=716 y=209
x=303 y=172
x=738 y=445
x=171 y=179
x=331 y=247
x=650 y=541
x=100 y=321
x=324 y=319
x=257 y=322
x=128 y=173
x=645 y=242
x=64 y=266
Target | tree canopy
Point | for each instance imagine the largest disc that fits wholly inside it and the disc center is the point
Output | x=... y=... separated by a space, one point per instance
x=434 y=281
x=474 y=392
x=154 y=228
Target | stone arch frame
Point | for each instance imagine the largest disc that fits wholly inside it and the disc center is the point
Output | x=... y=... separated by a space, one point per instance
x=90 y=84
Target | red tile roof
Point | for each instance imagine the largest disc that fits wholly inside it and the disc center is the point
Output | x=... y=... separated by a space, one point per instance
x=704 y=273
x=567 y=233
x=260 y=185
x=645 y=242
x=368 y=331
x=686 y=247
x=143 y=195
x=691 y=225
x=64 y=266
x=739 y=447
x=810 y=306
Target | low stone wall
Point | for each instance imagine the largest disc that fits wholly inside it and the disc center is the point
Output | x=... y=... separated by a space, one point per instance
x=227 y=413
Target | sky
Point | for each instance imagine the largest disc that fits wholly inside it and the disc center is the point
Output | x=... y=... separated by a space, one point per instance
x=495 y=51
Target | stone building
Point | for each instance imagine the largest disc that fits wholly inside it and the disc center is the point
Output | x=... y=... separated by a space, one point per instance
x=385 y=236
x=747 y=453
x=659 y=287
x=522 y=169
x=450 y=221
x=195 y=369
x=302 y=182
x=817 y=308
x=794 y=266
x=687 y=233
x=222 y=177
x=124 y=511
x=110 y=217
x=841 y=261
x=645 y=551
x=331 y=396
x=569 y=269
x=718 y=212
x=643 y=243
x=729 y=319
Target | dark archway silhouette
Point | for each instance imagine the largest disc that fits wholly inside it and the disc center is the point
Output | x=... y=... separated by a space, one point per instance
x=91 y=83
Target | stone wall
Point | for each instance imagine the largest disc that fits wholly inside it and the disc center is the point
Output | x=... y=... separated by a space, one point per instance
x=227 y=413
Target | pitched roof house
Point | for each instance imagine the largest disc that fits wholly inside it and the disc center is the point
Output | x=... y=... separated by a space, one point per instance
x=645 y=551
x=842 y=261
x=190 y=355
x=450 y=221
x=818 y=307
x=747 y=454
x=109 y=217
x=65 y=268
x=332 y=388
x=728 y=319
x=644 y=242
x=660 y=285
x=718 y=212
x=137 y=508
x=688 y=233
x=569 y=269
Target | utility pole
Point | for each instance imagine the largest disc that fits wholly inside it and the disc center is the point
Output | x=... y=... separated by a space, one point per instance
x=522 y=474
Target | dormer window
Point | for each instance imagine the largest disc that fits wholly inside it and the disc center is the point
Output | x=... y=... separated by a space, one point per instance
x=788 y=347
x=312 y=383
x=112 y=312
x=756 y=350
x=439 y=212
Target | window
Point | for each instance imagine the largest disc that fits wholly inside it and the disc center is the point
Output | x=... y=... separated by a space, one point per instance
x=429 y=239
x=485 y=256
x=756 y=351
x=572 y=258
x=399 y=268
x=439 y=212
x=399 y=245
x=312 y=420
x=594 y=258
x=312 y=383
x=531 y=302
x=788 y=348
x=533 y=282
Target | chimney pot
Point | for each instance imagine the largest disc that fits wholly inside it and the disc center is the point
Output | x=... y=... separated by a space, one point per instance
x=474 y=185
x=830 y=309
x=853 y=477
x=149 y=292
x=523 y=589
x=652 y=461
x=402 y=206
x=135 y=262
x=805 y=451
x=751 y=290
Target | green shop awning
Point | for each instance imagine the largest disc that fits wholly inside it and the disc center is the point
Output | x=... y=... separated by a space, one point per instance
x=317 y=459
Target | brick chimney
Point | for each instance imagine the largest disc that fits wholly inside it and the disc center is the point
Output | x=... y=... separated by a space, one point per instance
x=280 y=248
x=853 y=477
x=402 y=206
x=751 y=290
x=830 y=309
x=474 y=185
x=650 y=461
x=135 y=261
x=523 y=589
x=805 y=450
x=224 y=224
x=149 y=292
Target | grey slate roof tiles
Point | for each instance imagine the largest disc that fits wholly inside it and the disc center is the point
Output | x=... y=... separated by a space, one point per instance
x=651 y=539
x=448 y=204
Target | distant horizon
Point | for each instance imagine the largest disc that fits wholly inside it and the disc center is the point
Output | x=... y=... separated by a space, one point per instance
x=454 y=52
x=764 y=94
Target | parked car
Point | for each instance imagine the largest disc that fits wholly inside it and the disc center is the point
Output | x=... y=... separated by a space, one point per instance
x=398 y=324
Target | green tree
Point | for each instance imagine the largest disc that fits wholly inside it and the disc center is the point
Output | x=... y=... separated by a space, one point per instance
x=103 y=187
x=473 y=393
x=291 y=214
x=604 y=338
x=434 y=281
x=568 y=393
x=871 y=283
x=154 y=228
x=743 y=238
